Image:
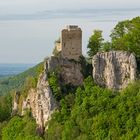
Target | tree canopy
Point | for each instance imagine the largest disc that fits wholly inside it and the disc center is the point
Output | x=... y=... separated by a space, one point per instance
x=97 y=113
x=126 y=36
x=95 y=42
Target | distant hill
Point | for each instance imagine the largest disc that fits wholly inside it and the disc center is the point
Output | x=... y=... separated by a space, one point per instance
x=9 y=83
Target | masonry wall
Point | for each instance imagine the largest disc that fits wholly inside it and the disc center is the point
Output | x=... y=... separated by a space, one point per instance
x=71 y=43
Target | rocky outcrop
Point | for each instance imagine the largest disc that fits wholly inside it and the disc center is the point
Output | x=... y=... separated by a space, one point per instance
x=69 y=70
x=41 y=103
x=16 y=103
x=114 y=69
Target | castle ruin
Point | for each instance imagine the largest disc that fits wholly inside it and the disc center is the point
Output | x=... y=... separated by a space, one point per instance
x=70 y=44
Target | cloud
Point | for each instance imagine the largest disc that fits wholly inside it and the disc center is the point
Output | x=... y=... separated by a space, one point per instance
x=32 y=6
x=69 y=4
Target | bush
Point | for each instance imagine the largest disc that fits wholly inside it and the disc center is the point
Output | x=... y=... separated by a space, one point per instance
x=20 y=129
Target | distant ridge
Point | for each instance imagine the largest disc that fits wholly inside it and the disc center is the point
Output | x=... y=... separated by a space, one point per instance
x=17 y=82
x=13 y=69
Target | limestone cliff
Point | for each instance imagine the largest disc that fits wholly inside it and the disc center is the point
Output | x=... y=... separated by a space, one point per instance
x=114 y=69
x=16 y=103
x=69 y=70
x=40 y=101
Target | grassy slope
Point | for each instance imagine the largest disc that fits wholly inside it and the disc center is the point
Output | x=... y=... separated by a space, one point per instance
x=16 y=82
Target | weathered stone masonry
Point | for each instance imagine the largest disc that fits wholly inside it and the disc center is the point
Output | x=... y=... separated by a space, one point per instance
x=70 y=45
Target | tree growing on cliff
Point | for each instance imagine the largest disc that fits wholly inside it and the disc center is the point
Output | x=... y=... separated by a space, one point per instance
x=95 y=43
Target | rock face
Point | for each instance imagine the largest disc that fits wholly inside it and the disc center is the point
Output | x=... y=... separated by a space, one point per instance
x=69 y=70
x=15 y=103
x=114 y=69
x=41 y=103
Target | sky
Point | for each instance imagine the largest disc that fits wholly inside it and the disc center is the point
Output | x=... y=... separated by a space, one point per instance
x=27 y=39
x=31 y=6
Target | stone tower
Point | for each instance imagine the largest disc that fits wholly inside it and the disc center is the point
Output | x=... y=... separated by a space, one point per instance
x=70 y=45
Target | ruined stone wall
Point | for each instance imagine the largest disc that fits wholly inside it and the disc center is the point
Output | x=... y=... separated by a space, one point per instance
x=71 y=42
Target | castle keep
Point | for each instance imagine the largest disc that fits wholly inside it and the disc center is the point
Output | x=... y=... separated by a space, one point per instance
x=70 y=45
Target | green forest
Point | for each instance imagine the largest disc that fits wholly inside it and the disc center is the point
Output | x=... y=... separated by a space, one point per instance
x=7 y=84
x=88 y=112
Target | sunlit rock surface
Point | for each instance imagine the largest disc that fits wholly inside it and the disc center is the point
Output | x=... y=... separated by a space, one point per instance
x=114 y=69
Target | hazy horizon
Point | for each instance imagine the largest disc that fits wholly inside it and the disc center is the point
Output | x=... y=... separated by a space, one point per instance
x=64 y=13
